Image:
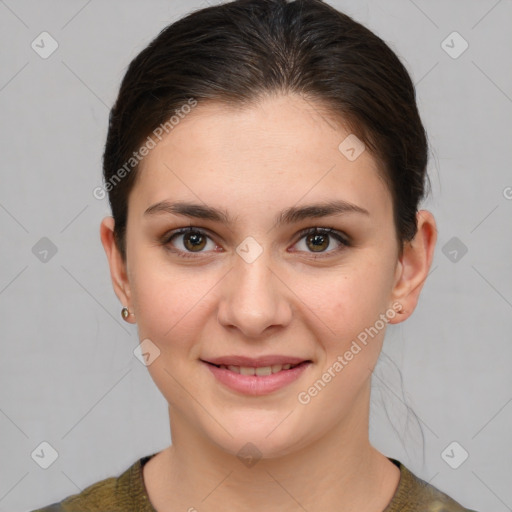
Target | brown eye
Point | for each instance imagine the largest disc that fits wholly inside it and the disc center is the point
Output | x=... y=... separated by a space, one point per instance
x=194 y=241
x=188 y=241
x=321 y=240
x=317 y=242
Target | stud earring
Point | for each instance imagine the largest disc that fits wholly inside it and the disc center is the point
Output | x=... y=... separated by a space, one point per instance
x=125 y=313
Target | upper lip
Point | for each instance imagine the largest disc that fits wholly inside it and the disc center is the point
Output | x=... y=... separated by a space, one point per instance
x=254 y=361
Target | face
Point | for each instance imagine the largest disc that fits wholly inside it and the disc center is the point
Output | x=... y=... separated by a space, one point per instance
x=256 y=273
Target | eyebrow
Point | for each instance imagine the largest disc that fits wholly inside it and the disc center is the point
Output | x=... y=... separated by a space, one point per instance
x=288 y=216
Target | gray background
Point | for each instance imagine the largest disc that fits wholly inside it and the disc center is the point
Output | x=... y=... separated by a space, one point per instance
x=68 y=373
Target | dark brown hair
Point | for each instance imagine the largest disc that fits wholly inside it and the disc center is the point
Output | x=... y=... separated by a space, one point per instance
x=240 y=51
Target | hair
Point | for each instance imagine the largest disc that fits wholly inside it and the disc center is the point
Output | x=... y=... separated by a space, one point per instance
x=239 y=52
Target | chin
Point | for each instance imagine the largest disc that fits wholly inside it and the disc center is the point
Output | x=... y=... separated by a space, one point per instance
x=259 y=438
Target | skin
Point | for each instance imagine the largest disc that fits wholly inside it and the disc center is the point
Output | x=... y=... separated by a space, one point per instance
x=253 y=163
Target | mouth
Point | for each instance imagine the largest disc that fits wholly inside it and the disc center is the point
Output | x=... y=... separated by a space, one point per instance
x=260 y=371
x=262 y=377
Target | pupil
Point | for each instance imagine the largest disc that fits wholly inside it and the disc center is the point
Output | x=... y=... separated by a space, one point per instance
x=318 y=241
x=195 y=239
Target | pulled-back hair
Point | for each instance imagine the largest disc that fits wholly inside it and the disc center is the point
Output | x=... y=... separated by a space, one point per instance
x=241 y=51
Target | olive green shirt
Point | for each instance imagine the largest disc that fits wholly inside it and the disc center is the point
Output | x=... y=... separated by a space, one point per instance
x=127 y=493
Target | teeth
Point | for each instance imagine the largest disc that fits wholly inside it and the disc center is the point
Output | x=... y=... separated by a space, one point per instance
x=264 y=370
x=260 y=371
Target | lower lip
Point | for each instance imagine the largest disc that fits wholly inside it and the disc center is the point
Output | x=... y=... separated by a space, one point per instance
x=254 y=384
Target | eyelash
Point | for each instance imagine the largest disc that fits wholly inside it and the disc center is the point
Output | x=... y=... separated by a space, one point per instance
x=166 y=239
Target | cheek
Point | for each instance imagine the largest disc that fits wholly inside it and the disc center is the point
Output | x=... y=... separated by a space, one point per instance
x=351 y=308
x=170 y=304
x=170 y=312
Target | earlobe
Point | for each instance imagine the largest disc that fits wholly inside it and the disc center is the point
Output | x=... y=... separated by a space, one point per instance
x=116 y=263
x=414 y=265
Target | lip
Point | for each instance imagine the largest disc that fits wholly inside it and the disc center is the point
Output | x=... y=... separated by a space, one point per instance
x=257 y=385
x=254 y=362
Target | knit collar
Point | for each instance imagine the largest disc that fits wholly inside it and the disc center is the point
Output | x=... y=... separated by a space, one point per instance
x=410 y=493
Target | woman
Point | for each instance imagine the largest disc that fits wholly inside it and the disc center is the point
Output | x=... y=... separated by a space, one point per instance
x=264 y=164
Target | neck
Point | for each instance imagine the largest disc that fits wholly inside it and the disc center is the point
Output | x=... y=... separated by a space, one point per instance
x=339 y=471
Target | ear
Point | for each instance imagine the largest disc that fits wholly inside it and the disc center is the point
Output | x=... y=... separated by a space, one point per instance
x=116 y=263
x=413 y=266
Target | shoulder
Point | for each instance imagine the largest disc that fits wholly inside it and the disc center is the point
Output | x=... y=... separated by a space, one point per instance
x=413 y=494
x=116 y=494
x=102 y=495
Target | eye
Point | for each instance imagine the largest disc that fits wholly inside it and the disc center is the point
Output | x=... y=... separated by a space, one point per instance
x=188 y=240
x=319 y=240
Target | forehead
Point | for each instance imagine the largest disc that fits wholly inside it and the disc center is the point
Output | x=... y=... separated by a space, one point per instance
x=279 y=150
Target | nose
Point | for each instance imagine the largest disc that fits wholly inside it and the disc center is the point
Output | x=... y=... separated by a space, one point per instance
x=254 y=298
